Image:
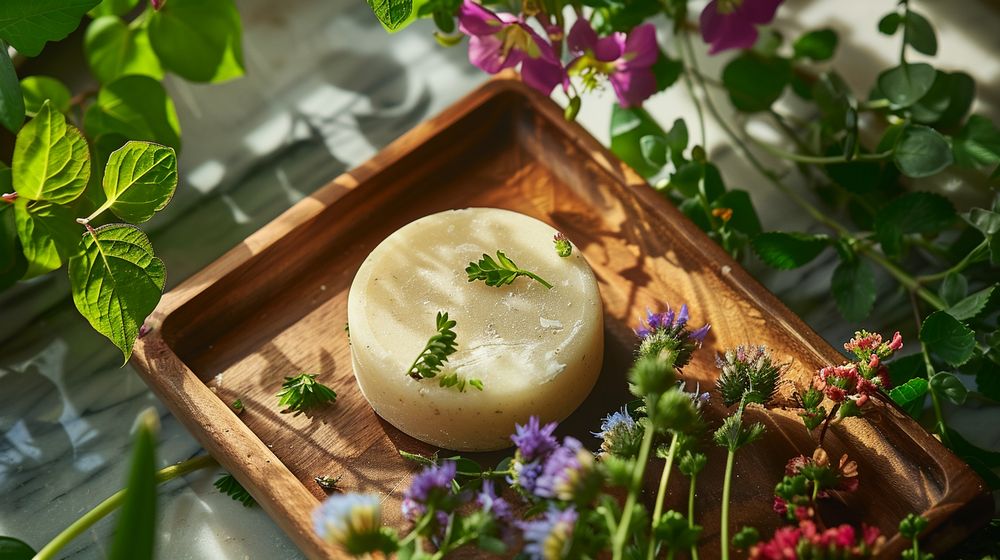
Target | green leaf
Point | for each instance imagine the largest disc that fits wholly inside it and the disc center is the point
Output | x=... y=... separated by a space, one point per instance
x=914 y=212
x=910 y=391
x=948 y=338
x=920 y=34
x=29 y=24
x=788 y=250
x=38 y=89
x=677 y=141
x=890 y=23
x=921 y=152
x=11 y=101
x=986 y=221
x=978 y=143
x=112 y=8
x=654 y=150
x=15 y=549
x=116 y=282
x=947 y=102
x=115 y=49
x=51 y=159
x=136 y=107
x=818 y=45
x=949 y=386
x=853 y=287
x=392 y=14
x=48 y=232
x=832 y=96
x=628 y=126
x=972 y=306
x=197 y=40
x=953 y=289
x=13 y=265
x=904 y=85
x=666 y=70
x=744 y=216
x=906 y=368
x=139 y=180
x=135 y=534
x=755 y=83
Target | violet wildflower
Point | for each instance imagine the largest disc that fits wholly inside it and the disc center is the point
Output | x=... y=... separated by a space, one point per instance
x=748 y=375
x=499 y=509
x=430 y=489
x=499 y=41
x=534 y=445
x=626 y=60
x=732 y=24
x=620 y=435
x=551 y=537
x=666 y=334
x=569 y=474
x=353 y=521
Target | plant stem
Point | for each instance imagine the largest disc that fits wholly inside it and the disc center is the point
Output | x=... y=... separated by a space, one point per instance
x=694 y=546
x=618 y=543
x=726 y=485
x=908 y=282
x=112 y=502
x=690 y=86
x=973 y=256
x=661 y=494
x=819 y=160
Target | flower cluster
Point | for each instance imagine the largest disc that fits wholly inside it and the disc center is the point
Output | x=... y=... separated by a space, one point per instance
x=666 y=334
x=535 y=443
x=543 y=468
x=808 y=541
x=620 y=435
x=852 y=385
x=748 y=374
x=809 y=478
x=551 y=536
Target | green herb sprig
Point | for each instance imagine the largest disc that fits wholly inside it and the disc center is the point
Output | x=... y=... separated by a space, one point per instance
x=303 y=392
x=459 y=383
x=500 y=272
x=435 y=353
x=228 y=485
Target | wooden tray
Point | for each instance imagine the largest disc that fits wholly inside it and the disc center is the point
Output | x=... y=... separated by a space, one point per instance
x=276 y=305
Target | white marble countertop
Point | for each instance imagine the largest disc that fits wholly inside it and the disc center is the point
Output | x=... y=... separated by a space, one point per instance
x=326 y=88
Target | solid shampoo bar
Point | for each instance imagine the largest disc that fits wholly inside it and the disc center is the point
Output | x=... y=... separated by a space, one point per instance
x=537 y=351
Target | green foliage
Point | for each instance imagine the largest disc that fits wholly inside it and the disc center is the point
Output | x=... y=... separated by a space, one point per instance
x=394 y=15
x=853 y=288
x=48 y=232
x=949 y=386
x=13 y=265
x=38 y=89
x=754 y=83
x=112 y=8
x=788 y=250
x=11 y=102
x=905 y=84
x=135 y=108
x=135 y=534
x=920 y=34
x=628 y=127
x=914 y=212
x=139 y=180
x=15 y=549
x=114 y=48
x=948 y=338
x=303 y=393
x=977 y=145
x=228 y=485
x=28 y=24
x=971 y=306
x=199 y=41
x=499 y=272
x=921 y=152
x=51 y=160
x=116 y=282
x=912 y=391
x=819 y=45
x=440 y=345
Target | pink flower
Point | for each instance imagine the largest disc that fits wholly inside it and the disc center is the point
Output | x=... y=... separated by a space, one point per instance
x=731 y=24
x=627 y=60
x=897 y=342
x=498 y=41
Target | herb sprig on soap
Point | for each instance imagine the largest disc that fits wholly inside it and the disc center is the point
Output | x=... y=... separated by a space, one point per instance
x=435 y=354
x=500 y=272
x=303 y=392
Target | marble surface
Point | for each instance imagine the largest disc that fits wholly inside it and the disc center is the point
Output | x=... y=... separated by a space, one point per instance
x=326 y=88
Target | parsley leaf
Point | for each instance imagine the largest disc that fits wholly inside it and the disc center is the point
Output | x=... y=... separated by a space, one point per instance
x=303 y=392
x=500 y=272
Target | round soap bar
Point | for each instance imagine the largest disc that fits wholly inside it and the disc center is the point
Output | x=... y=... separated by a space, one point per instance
x=537 y=351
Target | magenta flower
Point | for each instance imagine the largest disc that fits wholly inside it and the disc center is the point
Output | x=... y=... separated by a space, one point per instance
x=732 y=24
x=498 y=41
x=627 y=60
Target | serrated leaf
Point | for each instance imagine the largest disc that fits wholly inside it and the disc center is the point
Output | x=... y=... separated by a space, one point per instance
x=755 y=83
x=48 y=232
x=921 y=152
x=818 y=45
x=11 y=100
x=906 y=368
x=116 y=282
x=920 y=33
x=853 y=287
x=51 y=159
x=139 y=180
x=914 y=212
x=38 y=89
x=112 y=8
x=135 y=533
x=948 y=338
x=788 y=250
x=197 y=40
x=29 y=24
x=392 y=14
x=15 y=549
x=949 y=386
x=972 y=306
x=137 y=108
x=910 y=391
x=977 y=144
x=953 y=289
x=904 y=85
x=115 y=49
x=654 y=150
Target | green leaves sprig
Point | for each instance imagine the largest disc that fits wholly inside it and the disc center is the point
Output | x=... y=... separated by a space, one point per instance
x=499 y=272
x=228 y=485
x=302 y=393
x=440 y=345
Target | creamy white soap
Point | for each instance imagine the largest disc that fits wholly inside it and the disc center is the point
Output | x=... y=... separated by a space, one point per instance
x=537 y=351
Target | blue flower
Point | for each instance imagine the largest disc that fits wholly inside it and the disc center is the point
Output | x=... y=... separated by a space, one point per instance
x=666 y=334
x=354 y=521
x=551 y=537
x=621 y=435
x=430 y=488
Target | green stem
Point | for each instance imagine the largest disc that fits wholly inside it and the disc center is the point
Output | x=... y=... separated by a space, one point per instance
x=906 y=17
x=819 y=160
x=726 y=485
x=661 y=494
x=536 y=278
x=112 y=503
x=618 y=543
x=908 y=282
x=694 y=546
x=961 y=265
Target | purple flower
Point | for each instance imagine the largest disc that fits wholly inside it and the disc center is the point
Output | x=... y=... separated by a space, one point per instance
x=498 y=41
x=429 y=488
x=533 y=440
x=627 y=60
x=551 y=537
x=569 y=474
x=731 y=24
x=667 y=333
x=621 y=435
x=499 y=508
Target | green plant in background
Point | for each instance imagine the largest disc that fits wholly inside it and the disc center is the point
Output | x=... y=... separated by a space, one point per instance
x=88 y=167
